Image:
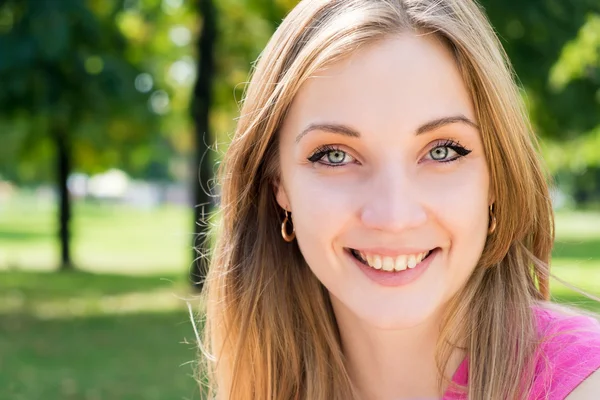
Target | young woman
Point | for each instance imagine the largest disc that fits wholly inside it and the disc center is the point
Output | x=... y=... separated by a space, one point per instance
x=386 y=226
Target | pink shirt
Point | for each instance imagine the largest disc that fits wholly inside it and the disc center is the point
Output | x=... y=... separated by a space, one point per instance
x=570 y=353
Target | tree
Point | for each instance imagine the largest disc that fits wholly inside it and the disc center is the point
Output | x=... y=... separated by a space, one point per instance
x=63 y=67
x=534 y=34
x=201 y=104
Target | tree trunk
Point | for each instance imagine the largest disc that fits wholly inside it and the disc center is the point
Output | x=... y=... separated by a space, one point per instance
x=63 y=158
x=201 y=103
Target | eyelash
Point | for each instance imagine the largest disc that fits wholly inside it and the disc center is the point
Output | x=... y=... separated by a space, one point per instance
x=461 y=150
x=322 y=152
x=452 y=144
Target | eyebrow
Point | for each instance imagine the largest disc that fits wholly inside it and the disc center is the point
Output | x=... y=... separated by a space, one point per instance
x=350 y=132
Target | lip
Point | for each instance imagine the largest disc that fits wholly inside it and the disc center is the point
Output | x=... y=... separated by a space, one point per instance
x=395 y=278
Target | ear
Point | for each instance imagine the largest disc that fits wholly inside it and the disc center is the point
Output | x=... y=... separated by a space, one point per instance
x=281 y=195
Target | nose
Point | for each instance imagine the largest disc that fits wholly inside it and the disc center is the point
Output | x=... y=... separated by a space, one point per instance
x=393 y=202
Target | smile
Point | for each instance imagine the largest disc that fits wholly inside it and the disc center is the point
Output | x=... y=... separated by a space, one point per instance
x=387 y=263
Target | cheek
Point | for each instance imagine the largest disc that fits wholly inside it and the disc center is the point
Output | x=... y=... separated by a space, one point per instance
x=322 y=209
x=321 y=204
x=459 y=197
x=461 y=209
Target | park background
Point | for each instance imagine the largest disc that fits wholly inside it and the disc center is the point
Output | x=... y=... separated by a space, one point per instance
x=113 y=117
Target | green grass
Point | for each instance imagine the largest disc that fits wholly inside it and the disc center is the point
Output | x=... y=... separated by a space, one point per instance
x=132 y=356
x=95 y=336
x=118 y=328
x=105 y=238
x=576 y=258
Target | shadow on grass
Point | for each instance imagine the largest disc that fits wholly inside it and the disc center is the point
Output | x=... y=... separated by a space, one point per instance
x=137 y=356
x=580 y=249
x=64 y=285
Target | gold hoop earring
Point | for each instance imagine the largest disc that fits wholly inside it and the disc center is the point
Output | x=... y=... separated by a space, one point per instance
x=288 y=237
x=492 y=226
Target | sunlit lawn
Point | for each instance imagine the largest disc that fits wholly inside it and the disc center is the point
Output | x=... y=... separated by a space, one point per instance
x=106 y=238
x=61 y=339
x=119 y=328
x=103 y=356
x=576 y=257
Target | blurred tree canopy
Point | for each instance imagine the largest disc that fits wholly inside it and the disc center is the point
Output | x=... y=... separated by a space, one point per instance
x=67 y=84
x=534 y=34
x=555 y=49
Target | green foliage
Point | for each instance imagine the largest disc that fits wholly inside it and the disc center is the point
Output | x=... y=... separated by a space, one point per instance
x=115 y=73
x=244 y=27
x=161 y=37
x=579 y=63
x=534 y=34
x=62 y=65
x=580 y=57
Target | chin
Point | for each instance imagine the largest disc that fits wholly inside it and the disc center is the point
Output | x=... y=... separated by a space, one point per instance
x=393 y=315
x=398 y=319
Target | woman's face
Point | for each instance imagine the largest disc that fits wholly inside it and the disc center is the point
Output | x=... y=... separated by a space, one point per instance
x=382 y=164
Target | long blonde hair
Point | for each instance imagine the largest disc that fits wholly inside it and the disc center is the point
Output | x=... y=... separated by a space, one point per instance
x=270 y=332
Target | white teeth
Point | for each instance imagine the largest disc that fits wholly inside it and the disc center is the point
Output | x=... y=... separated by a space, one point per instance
x=377 y=262
x=388 y=263
x=399 y=263
x=412 y=261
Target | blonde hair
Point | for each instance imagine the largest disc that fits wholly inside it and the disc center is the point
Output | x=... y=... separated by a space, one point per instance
x=270 y=332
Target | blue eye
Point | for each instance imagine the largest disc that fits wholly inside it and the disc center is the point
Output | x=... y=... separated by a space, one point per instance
x=336 y=156
x=441 y=153
x=330 y=156
x=448 y=151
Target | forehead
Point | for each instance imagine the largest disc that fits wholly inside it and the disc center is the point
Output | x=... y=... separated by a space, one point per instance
x=404 y=81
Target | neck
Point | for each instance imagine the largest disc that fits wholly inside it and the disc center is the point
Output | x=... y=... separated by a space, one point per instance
x=386 y=364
